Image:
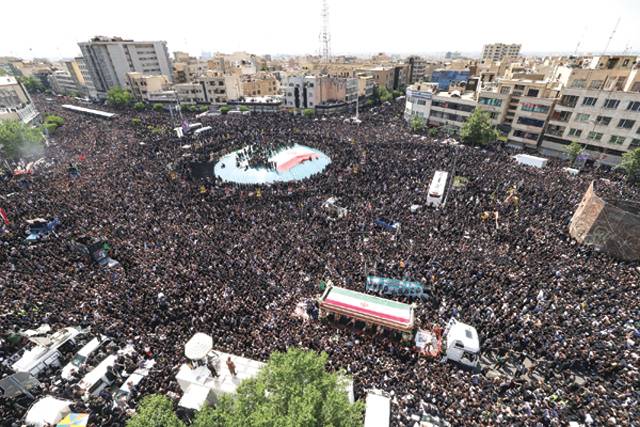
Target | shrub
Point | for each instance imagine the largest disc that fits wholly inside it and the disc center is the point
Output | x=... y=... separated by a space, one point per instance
x=225 y=109
x=309 y=112
x=138 y=106
x=158 y=107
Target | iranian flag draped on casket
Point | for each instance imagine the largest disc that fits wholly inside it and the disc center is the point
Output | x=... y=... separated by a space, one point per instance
x=368 y=308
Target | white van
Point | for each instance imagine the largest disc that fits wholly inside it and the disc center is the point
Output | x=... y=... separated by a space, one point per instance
x=82 y=355
x=124 y=392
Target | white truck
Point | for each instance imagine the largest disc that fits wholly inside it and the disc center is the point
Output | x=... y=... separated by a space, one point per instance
x=46 y=352
x=378 y=409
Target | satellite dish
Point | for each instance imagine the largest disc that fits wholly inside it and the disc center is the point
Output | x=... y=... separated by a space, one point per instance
x=198 y=346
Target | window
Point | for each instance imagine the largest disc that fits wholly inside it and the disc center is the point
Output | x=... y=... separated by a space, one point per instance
x=491 y=101
x=635 y=87
x=589 y=101
x=595 y=136
x=618 y=140
x=561 y=116
x=611 y=103
x=505 y=90
x=569 y=100
x=626 y=124
x=534 y=108
x=422 y=102
x=603 y=120
x=581 y=117
x=579 y=83
x=635 y=143
x=595 y=84
x=575 y=132
x=527 y=121
x=633 y=106
x=533 y=92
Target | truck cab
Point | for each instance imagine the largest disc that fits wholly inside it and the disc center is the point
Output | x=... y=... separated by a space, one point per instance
x=463 y=345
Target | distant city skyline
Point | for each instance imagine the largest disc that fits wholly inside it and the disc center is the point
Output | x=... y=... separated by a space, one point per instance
x=358 y=27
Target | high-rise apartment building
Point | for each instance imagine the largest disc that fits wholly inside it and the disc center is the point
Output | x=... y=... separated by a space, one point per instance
x=500 y=51
x=109 y=59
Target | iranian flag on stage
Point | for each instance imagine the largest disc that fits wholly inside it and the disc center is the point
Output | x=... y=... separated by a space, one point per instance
x=368 y=308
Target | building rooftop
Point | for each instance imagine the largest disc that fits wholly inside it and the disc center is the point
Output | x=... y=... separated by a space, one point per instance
x=7 y=80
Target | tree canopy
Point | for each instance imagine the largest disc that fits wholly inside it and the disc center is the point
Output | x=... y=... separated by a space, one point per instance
x=382 y=93
x=416 y=123
x=478 y=130
x=293 y=389
x=573 y=150
x=630 y=164
x=119 y=97
x=19 y=140
x=155 y=411
x=32 y=84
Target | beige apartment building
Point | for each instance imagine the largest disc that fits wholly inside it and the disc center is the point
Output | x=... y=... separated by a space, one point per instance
x=520 y=107
x=500 y=51
x=260 y=84
x=145 y=87
x=15 y=102
x=210 y=88
x=600 y=109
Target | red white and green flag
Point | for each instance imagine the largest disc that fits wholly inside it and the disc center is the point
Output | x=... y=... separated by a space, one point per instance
x=369 y=308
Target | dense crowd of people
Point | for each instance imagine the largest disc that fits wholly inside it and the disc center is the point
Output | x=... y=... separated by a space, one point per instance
x=233 y=264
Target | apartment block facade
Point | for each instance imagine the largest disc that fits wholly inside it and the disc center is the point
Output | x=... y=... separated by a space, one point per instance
x=600 y=109
x=500 y=51
x=110 y=59
x=15 y=102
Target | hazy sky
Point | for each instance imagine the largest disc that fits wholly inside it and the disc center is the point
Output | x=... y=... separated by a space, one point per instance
x=52 y=29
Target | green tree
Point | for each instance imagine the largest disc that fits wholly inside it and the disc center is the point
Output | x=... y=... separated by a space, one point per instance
x=203 y=108
x=293 y=389
x=478 y=129
x=32 y=84
x=18 y=140
x=158 y=107
x=136 y=121
x=244 y=108
x=225 y=109
x=309 y=112
x=382 y=94
x=416 y=123
x=56 y=120
x=139 y=106
x=433 y=132
x=573 y=150
x=119 y=97
x=630 y=164
x=155 y=411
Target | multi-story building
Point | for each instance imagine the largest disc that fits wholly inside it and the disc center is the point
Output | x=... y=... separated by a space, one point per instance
x=145 y=87
x=500 y=51
x=600 y=109
x=15 y=102
x=417 y=68
x=520 y=108
x=210 y=88
x=323 y=93
x=382 y=75
x=449 y=110
x=110 y=59
x=260 y=84
x=62 y=82
x=88 y=86
x=418 y=100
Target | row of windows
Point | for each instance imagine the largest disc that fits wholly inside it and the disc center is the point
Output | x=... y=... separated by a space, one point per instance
x=527 y=121
x=590 y=101
x=534 y=108
x=453 y=106
x=597 y=136
x=495 y=102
